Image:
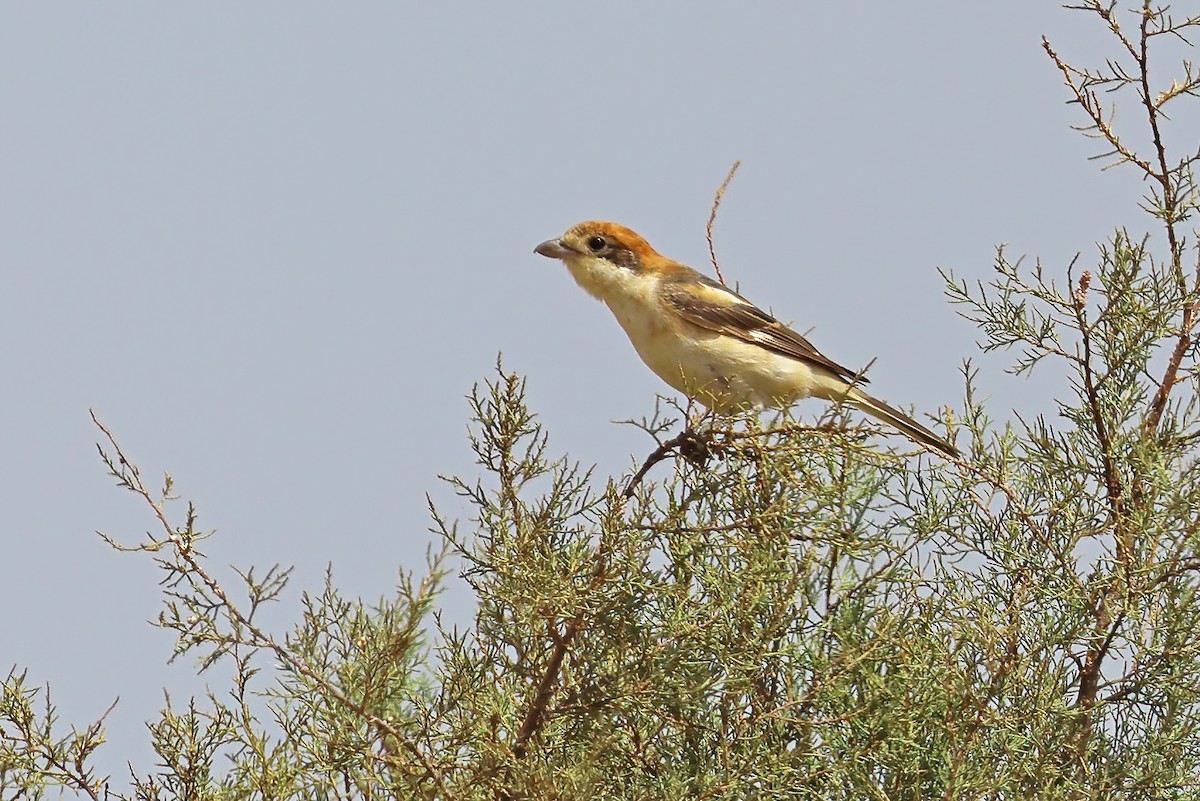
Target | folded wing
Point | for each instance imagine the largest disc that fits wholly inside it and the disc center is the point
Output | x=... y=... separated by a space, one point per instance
x=704 y=302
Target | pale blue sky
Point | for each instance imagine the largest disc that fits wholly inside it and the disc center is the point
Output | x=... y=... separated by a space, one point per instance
x=273 y=245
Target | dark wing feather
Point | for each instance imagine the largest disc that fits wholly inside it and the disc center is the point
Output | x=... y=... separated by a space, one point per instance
x=720 y=309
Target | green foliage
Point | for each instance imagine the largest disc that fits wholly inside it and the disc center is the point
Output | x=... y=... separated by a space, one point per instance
x=760 y=612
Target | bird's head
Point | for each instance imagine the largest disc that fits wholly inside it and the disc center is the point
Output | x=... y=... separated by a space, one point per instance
x=604 y=257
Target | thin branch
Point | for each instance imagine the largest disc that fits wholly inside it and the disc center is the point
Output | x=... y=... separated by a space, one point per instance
x=1182 y=344
x=545 y=690
x=1112 y=484
x=712 y=218
x=1076 y=82
x=1170 y=215
x=536 y=714
x=689 y=444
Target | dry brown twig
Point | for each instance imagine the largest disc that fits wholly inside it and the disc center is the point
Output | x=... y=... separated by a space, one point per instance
x=712 y=218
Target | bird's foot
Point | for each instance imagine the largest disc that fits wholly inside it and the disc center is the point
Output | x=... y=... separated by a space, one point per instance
x=695 y=446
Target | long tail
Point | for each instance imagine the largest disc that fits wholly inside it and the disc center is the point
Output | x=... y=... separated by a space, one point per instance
x=899 y=421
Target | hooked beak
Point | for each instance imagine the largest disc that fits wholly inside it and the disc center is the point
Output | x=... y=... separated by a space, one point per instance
x=553 y=249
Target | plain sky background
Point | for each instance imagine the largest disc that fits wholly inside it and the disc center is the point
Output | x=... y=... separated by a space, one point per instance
x=273 y=245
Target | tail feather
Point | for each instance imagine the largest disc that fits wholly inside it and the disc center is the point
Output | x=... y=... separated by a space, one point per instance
x=899 y=421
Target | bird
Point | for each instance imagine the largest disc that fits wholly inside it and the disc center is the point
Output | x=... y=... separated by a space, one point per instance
x=706 y=340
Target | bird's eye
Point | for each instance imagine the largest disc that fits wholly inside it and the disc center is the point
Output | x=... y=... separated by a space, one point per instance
x=597 y=244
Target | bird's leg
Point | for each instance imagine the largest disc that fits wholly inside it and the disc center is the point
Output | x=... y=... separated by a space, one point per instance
x=696 y=443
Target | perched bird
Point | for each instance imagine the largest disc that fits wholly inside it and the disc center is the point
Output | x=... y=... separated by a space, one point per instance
x=706 y=340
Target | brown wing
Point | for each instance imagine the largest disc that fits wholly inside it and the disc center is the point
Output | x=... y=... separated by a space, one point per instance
x=710 y=305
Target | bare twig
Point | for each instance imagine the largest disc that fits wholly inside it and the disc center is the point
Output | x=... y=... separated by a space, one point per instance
x=712 y=218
